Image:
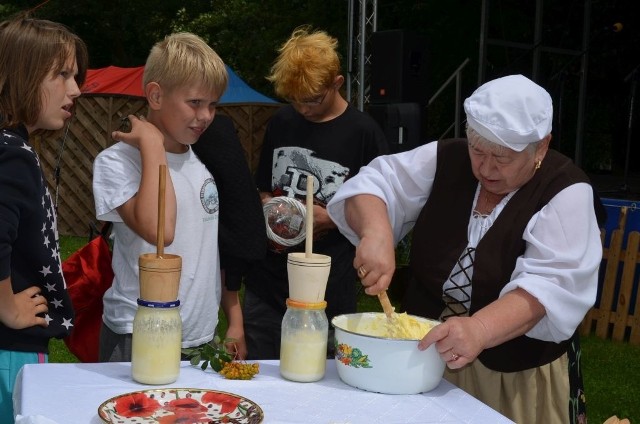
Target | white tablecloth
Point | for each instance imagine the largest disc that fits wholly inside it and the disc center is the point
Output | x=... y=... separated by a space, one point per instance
x=72 y=393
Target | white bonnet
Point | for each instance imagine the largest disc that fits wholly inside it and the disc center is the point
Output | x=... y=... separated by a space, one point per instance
x=512 y=111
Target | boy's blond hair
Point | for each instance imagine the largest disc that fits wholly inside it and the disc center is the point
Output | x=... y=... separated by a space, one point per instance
x=308 y=62
x=184 y=59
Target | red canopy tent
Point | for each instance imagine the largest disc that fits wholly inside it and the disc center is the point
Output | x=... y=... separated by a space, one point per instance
x=128 y=82
x=115 y=80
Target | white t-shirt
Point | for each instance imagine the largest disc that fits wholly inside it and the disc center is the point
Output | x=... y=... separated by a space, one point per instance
x=116 y=178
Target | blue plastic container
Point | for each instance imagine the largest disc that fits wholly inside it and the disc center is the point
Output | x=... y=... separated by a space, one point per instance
x=613 y=207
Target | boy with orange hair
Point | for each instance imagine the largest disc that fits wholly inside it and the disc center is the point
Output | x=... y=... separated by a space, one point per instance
x=319 y=134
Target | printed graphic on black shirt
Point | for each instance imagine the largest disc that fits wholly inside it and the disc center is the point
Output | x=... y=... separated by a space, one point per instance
x=291 y=165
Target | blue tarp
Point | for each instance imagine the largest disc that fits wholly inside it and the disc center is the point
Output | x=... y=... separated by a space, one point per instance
x=239 y=92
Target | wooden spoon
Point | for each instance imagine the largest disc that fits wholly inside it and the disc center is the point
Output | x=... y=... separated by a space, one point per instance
x=386 y=304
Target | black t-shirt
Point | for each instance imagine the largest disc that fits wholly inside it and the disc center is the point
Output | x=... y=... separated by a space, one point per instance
x=332 y=152
x=29 y=249
x=242 y=236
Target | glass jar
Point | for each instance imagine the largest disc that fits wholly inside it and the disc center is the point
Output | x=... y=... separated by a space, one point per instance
x=156 y=342
x=303 y=342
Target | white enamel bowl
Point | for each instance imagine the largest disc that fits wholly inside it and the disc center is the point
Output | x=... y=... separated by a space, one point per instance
x=383 y=365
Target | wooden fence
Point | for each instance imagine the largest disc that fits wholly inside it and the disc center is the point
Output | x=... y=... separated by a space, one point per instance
x=96 y=116
x=617 y=314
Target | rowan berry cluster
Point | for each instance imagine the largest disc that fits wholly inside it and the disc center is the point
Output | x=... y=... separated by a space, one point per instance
x=236 y=370
x=216 y=356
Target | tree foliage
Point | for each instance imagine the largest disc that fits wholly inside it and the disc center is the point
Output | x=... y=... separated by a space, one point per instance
x=247 y=34
x=120 y=32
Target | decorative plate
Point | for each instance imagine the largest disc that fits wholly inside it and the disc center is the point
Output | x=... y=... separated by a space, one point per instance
x=173 y=405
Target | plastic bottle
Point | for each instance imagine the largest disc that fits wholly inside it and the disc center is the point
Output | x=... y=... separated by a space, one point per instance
x=303 y=343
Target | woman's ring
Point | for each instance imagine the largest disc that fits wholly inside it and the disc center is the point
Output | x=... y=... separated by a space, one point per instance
x=362 y=272
x=454 y=357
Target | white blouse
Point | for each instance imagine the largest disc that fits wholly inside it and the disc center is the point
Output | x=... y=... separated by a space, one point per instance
x=563 y=248
x=478 y=227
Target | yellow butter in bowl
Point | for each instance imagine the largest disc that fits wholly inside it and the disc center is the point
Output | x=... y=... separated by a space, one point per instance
x=400 y=326
x=403 y=326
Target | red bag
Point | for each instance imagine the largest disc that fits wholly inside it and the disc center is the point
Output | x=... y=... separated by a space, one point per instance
x=88 y=274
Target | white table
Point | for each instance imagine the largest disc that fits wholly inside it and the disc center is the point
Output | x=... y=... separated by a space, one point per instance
x=72 y=393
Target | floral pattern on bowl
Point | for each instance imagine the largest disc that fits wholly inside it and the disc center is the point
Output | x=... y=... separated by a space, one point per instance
x=351 y=357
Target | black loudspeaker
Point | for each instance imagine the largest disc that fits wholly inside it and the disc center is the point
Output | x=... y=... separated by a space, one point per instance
x=398 y=68
x=401 y=124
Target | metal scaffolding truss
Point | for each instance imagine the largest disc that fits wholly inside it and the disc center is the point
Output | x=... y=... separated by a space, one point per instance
x=536 y=48
x=362 y=23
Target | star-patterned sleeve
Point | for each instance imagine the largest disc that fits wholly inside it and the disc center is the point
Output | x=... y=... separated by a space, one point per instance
x=29 y=247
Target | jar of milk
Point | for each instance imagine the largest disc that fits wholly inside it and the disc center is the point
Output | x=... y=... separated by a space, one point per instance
x=156 y=342
x=303 y=342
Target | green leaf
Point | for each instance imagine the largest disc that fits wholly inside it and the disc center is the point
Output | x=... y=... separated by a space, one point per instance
x=216 y=365
x=211 y=354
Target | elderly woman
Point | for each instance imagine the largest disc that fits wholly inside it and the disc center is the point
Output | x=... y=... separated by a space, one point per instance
x=506 y=249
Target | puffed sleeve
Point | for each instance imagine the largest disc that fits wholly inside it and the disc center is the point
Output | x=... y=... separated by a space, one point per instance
x=402 y=180
x=561 y=261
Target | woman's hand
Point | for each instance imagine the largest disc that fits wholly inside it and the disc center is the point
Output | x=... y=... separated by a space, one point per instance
x=375 y=261
x=458 y=340
x=375 y=258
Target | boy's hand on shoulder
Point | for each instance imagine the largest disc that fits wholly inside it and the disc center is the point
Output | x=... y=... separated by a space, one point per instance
x=142 y=133
x=20 y=310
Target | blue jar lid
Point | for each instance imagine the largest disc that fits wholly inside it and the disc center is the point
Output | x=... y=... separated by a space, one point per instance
x=160 y=305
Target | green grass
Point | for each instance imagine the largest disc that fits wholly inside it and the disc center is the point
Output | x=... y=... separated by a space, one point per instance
x=68 y=245
x=611 y=370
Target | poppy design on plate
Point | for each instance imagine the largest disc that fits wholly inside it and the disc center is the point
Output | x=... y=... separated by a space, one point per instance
x=227 y=403
x=136 y=405
x=352 y=357
x=174 y=406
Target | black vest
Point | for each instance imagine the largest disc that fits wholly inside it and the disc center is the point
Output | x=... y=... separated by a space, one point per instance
x=440 y=235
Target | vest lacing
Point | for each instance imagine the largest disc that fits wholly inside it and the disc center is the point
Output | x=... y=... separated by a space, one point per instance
x=456 y=291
